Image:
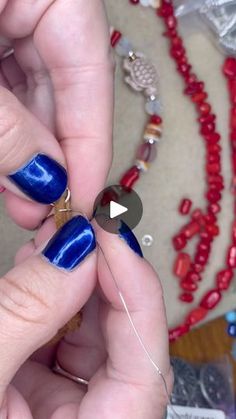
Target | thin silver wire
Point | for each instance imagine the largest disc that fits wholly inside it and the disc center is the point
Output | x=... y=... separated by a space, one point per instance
x=140 y=340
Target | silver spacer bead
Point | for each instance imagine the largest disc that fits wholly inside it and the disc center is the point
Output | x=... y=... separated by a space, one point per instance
x=141 y=165
x=147 y=240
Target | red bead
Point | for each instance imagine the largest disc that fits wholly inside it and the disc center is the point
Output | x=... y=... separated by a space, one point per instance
x=212 y=138
x=233 y=119
x=115 y=37
x=177 y=51
x=207 y=128
x=194 y=88
x=193 y=276
x=191 y=229
x=177 y=41
x=197 y=267
x=232 y=90
x=214 y=208
x=195 y=316
x=211 y=299
x=134 y=2
x=182 y=265
x=176 y=333
x=213 y=158
x=186 y=297
x=234 y=232
x=201 y=258
x=190 y=78
x=206 y=237
x=188 y=285
x=229 y=68
x=199 y=97
x=185 y=206
x=210 y=218
x=171 y=22
x=207 y=118
x=224 y=279
x=108 y=196
x=130 y=177
x=213 y=196
x=155 y=119
x=184 y=68
x=204 y=108
x=213 y=229
x=197 y=215
x=165 y=10
x=147 y=152
x=213 y=168
x=231 y=258
x=179 y=242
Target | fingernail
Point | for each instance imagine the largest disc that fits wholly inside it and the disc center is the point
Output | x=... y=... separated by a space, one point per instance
x=42 y=179
x=71 y=244
x=128 y=236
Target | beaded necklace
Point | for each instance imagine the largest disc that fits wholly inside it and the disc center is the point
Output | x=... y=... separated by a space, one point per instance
x=203 y=224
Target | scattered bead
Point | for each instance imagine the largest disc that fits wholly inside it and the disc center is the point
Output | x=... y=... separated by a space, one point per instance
x=231 y=258
x=176 y=333
x=147 y=240
x=188 y=285
x=232 y=330
x=191 y=229
x=185 y=206
x=182 y=265
x=186 y=298
x=231 y=317
x=196 y=316
x=116 y=36
x=179 y=242
x=224 y=279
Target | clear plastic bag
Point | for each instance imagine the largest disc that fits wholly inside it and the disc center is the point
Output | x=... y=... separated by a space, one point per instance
x=218 y=16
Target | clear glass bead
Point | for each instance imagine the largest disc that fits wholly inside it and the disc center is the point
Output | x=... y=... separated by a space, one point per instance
x=123 y=47
x=153 y=107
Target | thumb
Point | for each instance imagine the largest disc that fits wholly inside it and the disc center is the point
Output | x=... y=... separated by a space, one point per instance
x=40 y=295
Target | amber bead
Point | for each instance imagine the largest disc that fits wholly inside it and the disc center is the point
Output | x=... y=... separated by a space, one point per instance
x=179 y=242
x=195 y=316
x=211 y=299
x=224 y=279
x=179 y=331
x=191 y=229
x=186 y=297
x=231 y=258
x=130 y=177
x=182 y=265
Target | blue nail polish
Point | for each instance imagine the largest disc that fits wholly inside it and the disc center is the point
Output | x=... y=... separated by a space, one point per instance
x=71 y=244
x=42 y=179
x=126 y=234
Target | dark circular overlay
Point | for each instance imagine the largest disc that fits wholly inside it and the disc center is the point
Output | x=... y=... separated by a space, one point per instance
x=128 y=198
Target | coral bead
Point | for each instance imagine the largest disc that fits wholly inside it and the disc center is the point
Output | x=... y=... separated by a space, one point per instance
x=130 y=177
x=204 y=108
x=179 y=242
x=155 y=119
x=193 y=276
x=191 y=229
x=211 y=299
x=182 y=265
x=213 y=196
x=196 y=316
x=185 y=206
x=214 y=208
x=188 y=285
x=224 y=279
x=176 y=333
x=165 y=10
x=229 y=68
x=231 y=258
x=186 y=298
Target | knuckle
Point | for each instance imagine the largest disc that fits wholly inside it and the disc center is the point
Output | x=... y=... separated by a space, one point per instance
x=22 y=303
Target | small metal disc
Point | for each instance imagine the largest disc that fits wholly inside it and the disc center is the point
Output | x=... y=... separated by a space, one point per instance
x=147 y=240
x=185 y=382
x=215 y=387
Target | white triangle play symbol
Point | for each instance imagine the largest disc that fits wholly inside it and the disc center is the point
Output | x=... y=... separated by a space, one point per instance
x=116 y=209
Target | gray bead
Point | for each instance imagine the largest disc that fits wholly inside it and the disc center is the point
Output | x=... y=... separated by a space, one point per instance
x=123 y=47
x=153 y=107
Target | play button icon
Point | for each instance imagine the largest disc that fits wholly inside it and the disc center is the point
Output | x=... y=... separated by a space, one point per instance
x=116 y=209
x=117 y=204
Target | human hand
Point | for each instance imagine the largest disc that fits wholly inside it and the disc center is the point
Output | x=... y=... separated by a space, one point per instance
x=37 y=298
x=59 y=102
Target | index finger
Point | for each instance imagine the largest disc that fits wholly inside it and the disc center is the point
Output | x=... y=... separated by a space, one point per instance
x=73 y=40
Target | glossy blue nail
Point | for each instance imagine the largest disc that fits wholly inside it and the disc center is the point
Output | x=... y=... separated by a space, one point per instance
x=71 y=244
x=128 y=236
x=42 y=179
